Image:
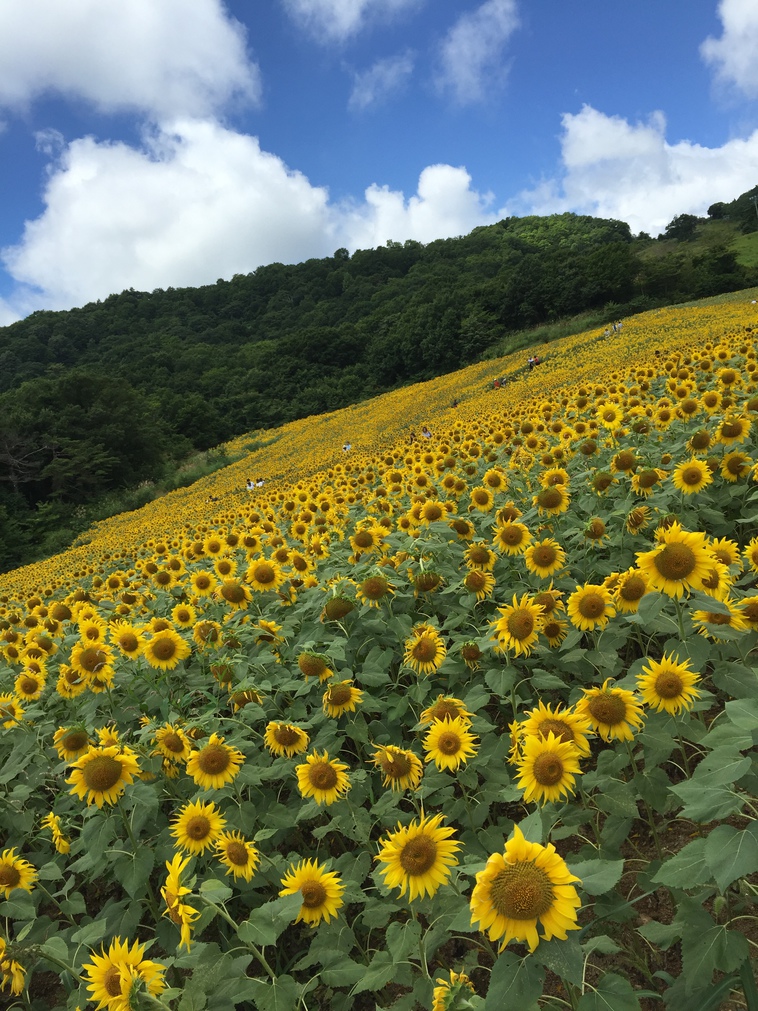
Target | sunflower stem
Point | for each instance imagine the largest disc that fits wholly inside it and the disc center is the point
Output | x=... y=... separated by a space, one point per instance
x=421 y=946
x=684 y=755
x=679 y=617
x=221 y=911
x=38 y=884
x=151 y=899
x=649 y=814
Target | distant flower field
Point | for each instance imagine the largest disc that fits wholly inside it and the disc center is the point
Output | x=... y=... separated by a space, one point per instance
x=466 y=721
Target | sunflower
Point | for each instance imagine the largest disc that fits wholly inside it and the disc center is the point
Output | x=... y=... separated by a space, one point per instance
x=613 y=713
x=610 y=416
x=15 y=872
x=442 y=707
x=733 y=429
x=555 y=631
x=107 y=972
x=727 y=552
x=691 y=476
x=29 y=686
x=424 y=650
x=70 y=683
x=166 y=649
x=479 y=556
x=265 y=575
x=718 y=582
x=374 y=589
x=215 y=764
x=341 y=697
x=402 y=769
x=552 y=501
x=236 y=853
x=590 y=606
x=547 y=767
x=734 y=466
x=512 y=538
x=679 y=563
x=544 y=558
x=321 y=891
x=449 y=743
x=90 y=661
x=127 y=638
x=52 y=821
x=629 y=591
x=71 y=742
x=173 y=893
x=526 y=883
x=314 y=665
x=564 y=724
x=285 y=739
x=518 y=626
x=668 y=684
x=446 y=992
x=184 y=616
x=638 y=519
x=203 y=583
x=418 y=857
x=102 y=774
x=234 y=593
x=12 y=973
x=710 y=622
x=172 y=742
x=198 y=825
x=322 y=778
x=480 y=583
x=751 y=553
x=481 y=499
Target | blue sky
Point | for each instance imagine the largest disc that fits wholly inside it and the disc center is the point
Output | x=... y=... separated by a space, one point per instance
x=158 y=142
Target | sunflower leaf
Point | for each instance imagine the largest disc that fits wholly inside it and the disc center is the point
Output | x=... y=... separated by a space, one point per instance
x=515 y=982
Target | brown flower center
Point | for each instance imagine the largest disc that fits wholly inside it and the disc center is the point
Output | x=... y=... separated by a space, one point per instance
x=449 y=743
x=608 y=709
x=364 y=539
x=558 y=728
x=198 y=827
x=173 y=742
x=548 y=769
x=691 y=475
x=128 y=642
x=668 y=685
x=233 y=592
x=544 y=555
x=633 y=588
x=339 y=695
x=521 y=891
x=286 y=736
x=592 y=605
x=237 y=854
x=520 y=624
x=648 y=478
x=28 y=685
x=374 y=587
x=736 y=465
x=314 y=894
x=214 y=759
x=9 y=876
x=511 y=535
x=432 y=512
x=264 y=573
x=112 y=982
x=713 y=618
x=418 y=855
x=102 y=773
x=675 y=561
x=424 y=649
x=475 y=581
x=394 y=764
x=322 y=776
x=163 y=649
x=550 y=498
x=92 y=659
x=75 y=740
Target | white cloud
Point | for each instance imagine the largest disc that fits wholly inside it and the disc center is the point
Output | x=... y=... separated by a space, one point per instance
x=159 y=57
x=615 y=169
x=472 y=52
x=735 y=55
x=197 y=202
x=339 y=20
x=384 y=78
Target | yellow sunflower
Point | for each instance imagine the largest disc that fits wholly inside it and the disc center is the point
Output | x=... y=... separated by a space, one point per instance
x=15 y=872
x=341 y=697
x=172 y=742
x=679 y=562
x=526 y=883
x=321 y=891
x=285 y=739
x=53 y=822
x=613 y=713
x=424 y=650
x=322 y=778
x=668 y=684
x=265 y=575
x=691 y=476
x=519 y=625
x=71 y=742
x=443 y=706
x=237 y=854
x=184 y=616
x=547 y=768
x=644 y=481
x=101 y=775
x=555 y=631
x=630 y=589
x=374 y=589
x=565 y=724
x=173 y=892
x=545 y=557
x=402 y=770
x=449 y=743
x=710 y=622
x=234 y=594
x=512 y=538
x=480 y=583
x=215 y=764
x=552 y=501
x=166 y=649
x=590 y=606
x=735 y=466
x=29 y=686
x=198 y=826
x=418 y=857
x=127 y=638
x=445 y=994
x=314 y=665
x=106 y=974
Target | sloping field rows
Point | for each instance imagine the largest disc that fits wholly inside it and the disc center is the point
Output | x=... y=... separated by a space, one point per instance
x=456 y=721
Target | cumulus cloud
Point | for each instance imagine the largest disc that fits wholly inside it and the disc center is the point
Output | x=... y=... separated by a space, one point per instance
x=471 y=54
x=383 y=79
x=198 y=201
x=339 y=20
x=162 y=59
x=734 y=56
x=616 y=169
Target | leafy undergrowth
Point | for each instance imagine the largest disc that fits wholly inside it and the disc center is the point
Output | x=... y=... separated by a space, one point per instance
x=461 y=721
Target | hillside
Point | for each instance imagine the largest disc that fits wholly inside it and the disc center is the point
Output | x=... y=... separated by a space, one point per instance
x=470 y=716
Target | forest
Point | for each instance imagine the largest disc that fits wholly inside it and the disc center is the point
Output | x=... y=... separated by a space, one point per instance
x=98 y=399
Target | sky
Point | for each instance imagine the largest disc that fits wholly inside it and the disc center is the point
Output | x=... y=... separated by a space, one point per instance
x=154 y=143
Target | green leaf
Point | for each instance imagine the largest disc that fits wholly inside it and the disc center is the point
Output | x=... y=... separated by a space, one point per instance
x=661 y=934
x=706 y=803
x=134 y=871
x=602 y=943
x=544 y=679
x=337 y=969
x=515 y=982
x=91 y=933
x=703 y=953
x=403 y=938
x=215 y=890
x=730 y=854
x=597 y=876
x=617 y=798
x=501 y=680
x=281 y=994
x=743 y=713
x=266 y=923
x=611 y=994
x=56 y=947
x=735 y=680
x=686 y=869
x=564 y=958
x=378 y=974
x=650 y=606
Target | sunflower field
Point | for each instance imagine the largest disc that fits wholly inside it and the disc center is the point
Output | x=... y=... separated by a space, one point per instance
x=457 y=720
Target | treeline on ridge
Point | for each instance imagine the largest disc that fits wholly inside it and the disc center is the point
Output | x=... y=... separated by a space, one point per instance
x=103 y=397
